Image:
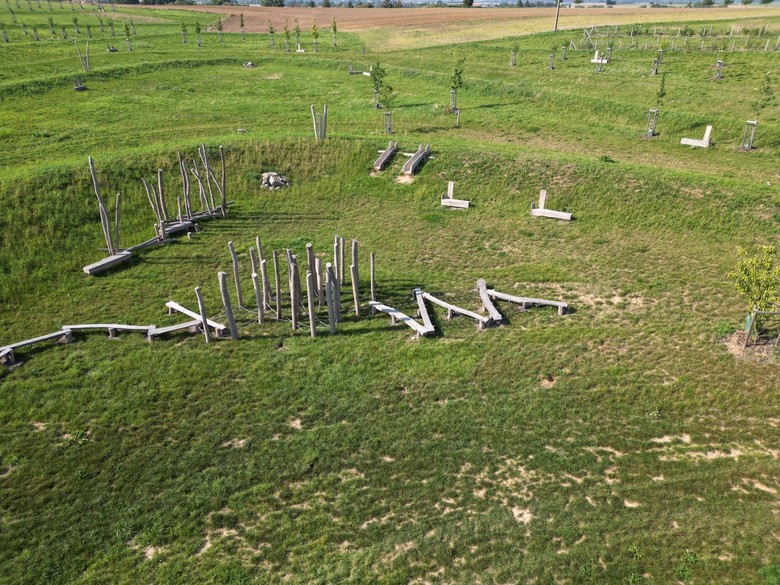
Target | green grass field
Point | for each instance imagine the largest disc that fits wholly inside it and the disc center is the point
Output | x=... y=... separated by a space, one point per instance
x=621 y=443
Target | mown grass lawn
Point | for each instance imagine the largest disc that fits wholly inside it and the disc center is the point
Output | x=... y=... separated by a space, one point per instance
x=621 y=443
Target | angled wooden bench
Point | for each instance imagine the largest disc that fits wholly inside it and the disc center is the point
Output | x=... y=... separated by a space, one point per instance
x=452 y=310
x=704 y=143
x=396 y=315
x=541 y=211
x=487 y=303
x=386 y=156
x=448 y=199
x=525 y=301
x=418 y=158
x=219 y=328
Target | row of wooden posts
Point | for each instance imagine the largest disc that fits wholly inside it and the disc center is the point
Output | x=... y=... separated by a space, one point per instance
x=323 y=286
x=165 y=223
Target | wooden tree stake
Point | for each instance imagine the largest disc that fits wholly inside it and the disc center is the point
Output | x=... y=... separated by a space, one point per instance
x=223 y=288
x=202 y=309
x=236 y=276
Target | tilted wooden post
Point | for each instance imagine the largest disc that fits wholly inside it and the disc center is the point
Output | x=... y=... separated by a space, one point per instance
x=104 y=222
x=342 y=255
x=264 y=274
x=202 y=309
x=236 y=276
x=310 y=284
x=161 y=194
x=320 y=282
x=223 y=288
x=336 y=254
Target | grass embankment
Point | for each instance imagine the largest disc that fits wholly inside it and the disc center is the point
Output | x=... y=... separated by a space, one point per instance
x=620 y=443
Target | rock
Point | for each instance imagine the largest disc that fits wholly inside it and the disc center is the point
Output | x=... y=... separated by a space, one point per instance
x=249 y=64
x=274 y=181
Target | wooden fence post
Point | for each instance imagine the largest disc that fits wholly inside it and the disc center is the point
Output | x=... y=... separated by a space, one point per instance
x=228 y=307
x=236 y=275
x=202 y=309
x=310 y=283
x=278 y=286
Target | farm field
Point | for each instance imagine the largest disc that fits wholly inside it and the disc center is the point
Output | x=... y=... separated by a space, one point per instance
x=631 y=440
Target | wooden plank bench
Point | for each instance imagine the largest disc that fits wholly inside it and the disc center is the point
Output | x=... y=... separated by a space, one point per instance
x=454 y=310
x=112 y=328
x=418 y=158
x=179 y=226
x=525 y=301
x=487 y=303
x=7 y=357
x=219 y=328
x=396 y=315
x=108 y=262
x=541 y=211
x=386 y=156
x=157 y=331
x=704 y=143
x=448 y=199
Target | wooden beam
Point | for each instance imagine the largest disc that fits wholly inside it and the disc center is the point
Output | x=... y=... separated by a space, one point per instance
x=561 y=306
x=310 y=284
x=423 y=311
x=174 y=306
x=487 y=303
x=236 y=276
x=397 y=315
x=203 y=318
x=222 y=277
x=452 y=309
x=108 y=262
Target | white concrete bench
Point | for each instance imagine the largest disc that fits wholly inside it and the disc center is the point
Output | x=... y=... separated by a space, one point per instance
x=599 y=59
x=704 y=143
x=541 y=211
x=448 y=200
x=386 y=156
x=418 y=158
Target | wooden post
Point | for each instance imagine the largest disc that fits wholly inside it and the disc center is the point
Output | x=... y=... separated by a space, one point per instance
x=330 y=281
x=336 y=254
x=204 y=157
x=236 y=276
x=116 y=222
x=342 y=254
x=178 y=208
x=102 y=208
x=223 y=181
x=161 y=194
x=750 y=328
x=253 y=259
x=202 y=309
x=314 y=121
x=258 y=296
x=354 y=276
x=373 y=278
x=310 y=283
x=320 y=282
x=278 y=285
x=295 y=294
x=264 y=274
x=310 y=263
x=223 y=288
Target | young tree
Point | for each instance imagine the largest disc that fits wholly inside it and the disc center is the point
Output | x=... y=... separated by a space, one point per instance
x=456 y=82
x=197 y=32
x=51 y=25
x=377 y=76
x=297 y=31
x=758 y=278
x=315 y=34
x=219 y=29
x=241 y=24
x=76 y=24
x=271 y=33
x=764 y=95
x=661 y=93
x=333 y=30
x=326 y=3
x=183 y=28
x=468 y=3
x=286 y=35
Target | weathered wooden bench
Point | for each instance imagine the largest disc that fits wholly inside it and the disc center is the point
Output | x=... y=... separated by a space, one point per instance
x=541 y=211
x=487 y=303
x=448 y=200
x=7 y=356
x=386 y=156
x=154 y=331
x=108 y=262
x=418 y=158
x=703 y=143
x=452 y=310
x=112 y=328
x=526 y=301
x=219 y=328
x=396 y=315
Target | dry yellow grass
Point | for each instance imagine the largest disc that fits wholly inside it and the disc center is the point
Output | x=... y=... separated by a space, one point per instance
x=403 y=28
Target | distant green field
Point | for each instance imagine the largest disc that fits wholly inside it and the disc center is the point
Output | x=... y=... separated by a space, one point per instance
x=621 y=443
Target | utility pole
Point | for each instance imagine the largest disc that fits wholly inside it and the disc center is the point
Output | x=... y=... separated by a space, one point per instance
x=557 y=12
